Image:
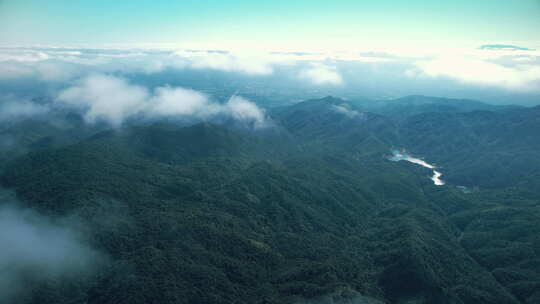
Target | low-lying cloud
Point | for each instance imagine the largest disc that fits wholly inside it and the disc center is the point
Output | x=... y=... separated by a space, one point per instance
x=519 y=76
x=508 y=47
x=319 y=73
x=244 y=110
x=37 y=249
x=103 y=97
x=21 y=109
x=114 y=100
x=250 y=65
x=168 y=101
x=377 y=72
x=57 y=64
x=346 y=110
x=336 y=298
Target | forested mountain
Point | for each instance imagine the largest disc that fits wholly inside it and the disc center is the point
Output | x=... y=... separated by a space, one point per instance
x=308 y=210
x=417 y=104
x=485 y=148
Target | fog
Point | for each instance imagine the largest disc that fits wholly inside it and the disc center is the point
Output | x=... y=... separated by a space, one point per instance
x=113 y=99
x=493 y=74
x=352 y=298
x=21 y=109
x=38 y=248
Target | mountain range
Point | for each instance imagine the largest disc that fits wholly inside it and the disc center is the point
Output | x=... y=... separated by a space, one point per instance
x=307 y=210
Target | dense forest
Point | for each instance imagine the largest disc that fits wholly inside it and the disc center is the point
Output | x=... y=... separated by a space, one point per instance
x=307 y=210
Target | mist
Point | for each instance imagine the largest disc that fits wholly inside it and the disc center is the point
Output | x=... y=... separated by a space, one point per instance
x=21 y=109
x=352 y=298
x=492 y=75
x=114 y=99
x=39 y=249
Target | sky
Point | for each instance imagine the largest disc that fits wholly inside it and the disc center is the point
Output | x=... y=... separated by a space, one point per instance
x=278 y=24
x=291 y=50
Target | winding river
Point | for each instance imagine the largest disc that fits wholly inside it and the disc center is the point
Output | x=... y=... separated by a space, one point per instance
x=402 y=155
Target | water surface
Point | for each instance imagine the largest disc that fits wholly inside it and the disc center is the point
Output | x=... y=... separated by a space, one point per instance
x=398 y=155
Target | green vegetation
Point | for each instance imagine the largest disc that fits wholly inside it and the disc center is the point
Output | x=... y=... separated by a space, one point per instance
x=214 y=214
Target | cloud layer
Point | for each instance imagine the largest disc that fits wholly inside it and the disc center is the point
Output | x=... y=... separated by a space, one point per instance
x=346 y=110
x=475 y=70
x=224 y=61
x=102 y=97
x=113 y=100
x=319 y=73
x=477 y=65
x=374 y=72
x=37 y=249
x=21 y=109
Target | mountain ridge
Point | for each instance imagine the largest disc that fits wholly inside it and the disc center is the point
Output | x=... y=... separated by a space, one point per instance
x=230 y=215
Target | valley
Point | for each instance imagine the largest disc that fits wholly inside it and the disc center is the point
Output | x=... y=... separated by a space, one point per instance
x=398 y=155
x=309 y=208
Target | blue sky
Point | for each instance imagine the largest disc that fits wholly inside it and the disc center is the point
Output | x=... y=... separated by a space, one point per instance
x=483 y=49
x=274 y=24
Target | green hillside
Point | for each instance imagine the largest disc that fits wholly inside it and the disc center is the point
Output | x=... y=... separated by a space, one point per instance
x=312 y=211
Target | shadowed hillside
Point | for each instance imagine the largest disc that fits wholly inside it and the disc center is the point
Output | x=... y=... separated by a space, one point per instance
x=311 y=211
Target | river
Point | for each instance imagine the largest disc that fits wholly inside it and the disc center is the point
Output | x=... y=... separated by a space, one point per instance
x=402 y=155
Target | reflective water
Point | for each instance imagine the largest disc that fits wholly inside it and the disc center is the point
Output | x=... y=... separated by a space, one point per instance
x=402 y=155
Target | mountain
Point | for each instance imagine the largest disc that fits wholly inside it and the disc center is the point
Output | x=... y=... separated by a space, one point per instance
x=418 y=104
x=335 y=125
x=484 y=148
x=18 y=137
x=311 y=211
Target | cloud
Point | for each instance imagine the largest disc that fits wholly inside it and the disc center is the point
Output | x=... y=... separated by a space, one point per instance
x=507 y=47
x=103 y=97
x=114 y=100
x=36 y=248
x=379 y=57
x=320 y=74
x=345 y=110
x=15 y=70
x=351 y=297
x=169 y=101
x=55 y=70
x=46 y=70
x=59 y=64
x=43 y=64
x=22 y=55
x=297 y=53
x=391 y=71
x=478 y=71
x=15 y=110
x=225 y=61
x=62 y=64
x=243 y=110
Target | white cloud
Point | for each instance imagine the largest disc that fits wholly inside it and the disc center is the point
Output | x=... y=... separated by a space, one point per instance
x=22 y=55
x=52 y=64
x=36 y=248
x=244 y=110
x=478 y=71
x=13 y=110
x=56 y=70
x=113 y=100
x=107 y=98
x=169 y=101
x=321 y=74
x=47 y=65
x=57 y=65
x=345 y=110
x=227 y=62
x=516 y=70
x=15 y=70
